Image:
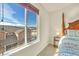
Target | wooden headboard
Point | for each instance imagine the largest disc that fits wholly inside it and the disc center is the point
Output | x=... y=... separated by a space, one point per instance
x=74 y=25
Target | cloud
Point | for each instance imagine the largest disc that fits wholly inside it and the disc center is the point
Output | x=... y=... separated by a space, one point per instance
x=9 y=14
x=10 y=18
x=8 y=9
x=31 y=25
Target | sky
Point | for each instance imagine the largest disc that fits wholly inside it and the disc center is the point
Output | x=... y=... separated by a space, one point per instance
x=15 y=14
x=31 y=19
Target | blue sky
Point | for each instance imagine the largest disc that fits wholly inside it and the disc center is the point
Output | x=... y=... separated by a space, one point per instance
x=31 y=19
x=14 y=13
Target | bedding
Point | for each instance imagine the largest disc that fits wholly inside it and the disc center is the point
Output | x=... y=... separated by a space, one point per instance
x=68 y=46
x=74 y=33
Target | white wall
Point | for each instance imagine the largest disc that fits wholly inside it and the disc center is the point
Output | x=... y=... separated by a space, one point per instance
x=71 y=14
x=55 y=25
x=44 y=35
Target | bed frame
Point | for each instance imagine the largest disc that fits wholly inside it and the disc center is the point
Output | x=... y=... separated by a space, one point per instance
x=73 y=25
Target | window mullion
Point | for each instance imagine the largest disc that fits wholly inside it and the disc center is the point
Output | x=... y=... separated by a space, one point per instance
x=25 y=26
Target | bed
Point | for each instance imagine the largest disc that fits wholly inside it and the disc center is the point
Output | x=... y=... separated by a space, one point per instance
x=69 y=44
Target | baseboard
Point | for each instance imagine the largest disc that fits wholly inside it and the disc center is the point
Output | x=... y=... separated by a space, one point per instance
x=42 y=49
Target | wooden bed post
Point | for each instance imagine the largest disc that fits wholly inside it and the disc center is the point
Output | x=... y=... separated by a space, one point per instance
x=63 y=25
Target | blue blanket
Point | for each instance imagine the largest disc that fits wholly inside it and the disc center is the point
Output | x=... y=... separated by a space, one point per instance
x=69 y=46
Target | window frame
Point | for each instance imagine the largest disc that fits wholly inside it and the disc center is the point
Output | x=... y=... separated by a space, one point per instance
x=18 y=48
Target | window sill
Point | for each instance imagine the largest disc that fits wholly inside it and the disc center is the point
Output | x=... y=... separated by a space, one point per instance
x=10 y=52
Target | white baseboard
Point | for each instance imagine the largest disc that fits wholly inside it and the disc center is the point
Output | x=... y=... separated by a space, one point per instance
x=42 y=48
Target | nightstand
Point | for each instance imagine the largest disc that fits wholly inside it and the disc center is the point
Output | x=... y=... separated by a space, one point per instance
x=56 y=41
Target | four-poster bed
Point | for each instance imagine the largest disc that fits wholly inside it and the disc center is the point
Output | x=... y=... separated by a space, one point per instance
x=69 y=43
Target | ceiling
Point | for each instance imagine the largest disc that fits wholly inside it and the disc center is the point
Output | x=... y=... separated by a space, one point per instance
x=51 y=7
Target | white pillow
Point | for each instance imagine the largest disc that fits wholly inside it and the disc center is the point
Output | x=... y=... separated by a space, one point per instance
x=74 y=33
x=70 y=33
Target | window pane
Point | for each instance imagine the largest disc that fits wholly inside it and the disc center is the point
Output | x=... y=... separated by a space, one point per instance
x=31 y=26
x=0 y=11
x=14 y=13
x=0 y=15
x=14 y=24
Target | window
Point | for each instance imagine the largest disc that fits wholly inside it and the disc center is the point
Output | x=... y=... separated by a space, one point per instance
x=31 y=26
x=20 y=24
x=14 y=25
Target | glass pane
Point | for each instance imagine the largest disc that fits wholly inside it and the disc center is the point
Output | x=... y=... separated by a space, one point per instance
x=0 y=11
x=0 y=15
x=1 y=33
x=31 y=26
x=14 y=25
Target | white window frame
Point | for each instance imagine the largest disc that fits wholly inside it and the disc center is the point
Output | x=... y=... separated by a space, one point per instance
x=25 y=45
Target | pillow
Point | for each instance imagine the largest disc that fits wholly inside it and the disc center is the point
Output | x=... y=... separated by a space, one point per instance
x=74 y=33
x=70 y=33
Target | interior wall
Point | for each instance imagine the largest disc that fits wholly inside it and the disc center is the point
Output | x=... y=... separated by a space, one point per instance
x=71 y=14
x=44 y=35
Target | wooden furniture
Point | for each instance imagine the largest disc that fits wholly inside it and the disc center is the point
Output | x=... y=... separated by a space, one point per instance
x=63 y=25
x=56 y=41
x=73 y=25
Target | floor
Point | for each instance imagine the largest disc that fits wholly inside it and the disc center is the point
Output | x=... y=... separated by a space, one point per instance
x=48 y=51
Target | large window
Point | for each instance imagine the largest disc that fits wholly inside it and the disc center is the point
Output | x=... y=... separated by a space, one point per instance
x=19 y=23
